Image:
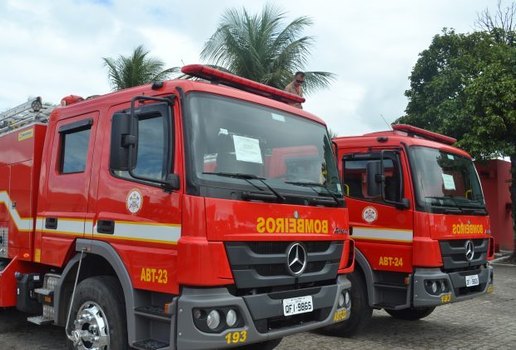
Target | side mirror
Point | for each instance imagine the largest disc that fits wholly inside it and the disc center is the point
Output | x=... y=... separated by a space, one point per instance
x=124 y=140
x=374 y=178
x=171 y=182
x=404 y=204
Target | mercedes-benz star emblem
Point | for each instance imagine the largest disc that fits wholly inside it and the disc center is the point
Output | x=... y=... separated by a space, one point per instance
x=470 y=250
x=296 y=259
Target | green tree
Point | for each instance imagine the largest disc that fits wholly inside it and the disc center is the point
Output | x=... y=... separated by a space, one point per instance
x=263 y=48
x=135 y=70
x=464 y=85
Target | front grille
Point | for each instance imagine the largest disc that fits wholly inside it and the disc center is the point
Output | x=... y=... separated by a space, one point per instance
x=454 y=254
x=264 y=264
x=281 y=247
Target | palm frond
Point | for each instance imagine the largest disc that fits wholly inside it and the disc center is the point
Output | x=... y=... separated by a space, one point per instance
x=263 y=48
x=136 y=69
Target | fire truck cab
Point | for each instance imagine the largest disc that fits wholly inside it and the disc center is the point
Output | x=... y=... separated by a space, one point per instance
x=175 y=215
x=418 y=217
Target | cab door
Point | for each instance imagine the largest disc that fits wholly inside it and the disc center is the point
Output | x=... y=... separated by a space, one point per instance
x=132 y=210
x=381 y=220
x=63 y=204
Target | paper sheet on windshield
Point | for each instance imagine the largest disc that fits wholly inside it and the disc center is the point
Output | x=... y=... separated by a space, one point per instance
x=247 y=149
x=449 y=183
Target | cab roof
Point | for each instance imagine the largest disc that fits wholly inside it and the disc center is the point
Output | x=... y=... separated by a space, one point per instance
x=396 y=138
x=236 y=90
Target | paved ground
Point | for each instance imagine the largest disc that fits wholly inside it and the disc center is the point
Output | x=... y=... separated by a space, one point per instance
x=488 y=322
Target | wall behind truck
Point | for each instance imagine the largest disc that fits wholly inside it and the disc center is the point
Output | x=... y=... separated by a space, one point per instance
x=495 y=176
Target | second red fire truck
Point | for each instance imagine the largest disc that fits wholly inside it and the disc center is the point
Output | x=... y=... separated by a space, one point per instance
x=418 y=217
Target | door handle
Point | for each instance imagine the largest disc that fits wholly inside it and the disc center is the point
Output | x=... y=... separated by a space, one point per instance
x=51 y=223
x=106 y=226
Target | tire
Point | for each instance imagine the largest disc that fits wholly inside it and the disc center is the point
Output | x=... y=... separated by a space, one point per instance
x=101 y=298
x=411 y=314
x=361 y=312
x=267 y=345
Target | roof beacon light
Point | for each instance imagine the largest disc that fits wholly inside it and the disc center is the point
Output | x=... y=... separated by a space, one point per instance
x=429 y=135
x=70 y=100
x=217 y=76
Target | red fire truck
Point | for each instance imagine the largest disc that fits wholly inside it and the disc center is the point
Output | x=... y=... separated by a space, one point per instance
x=418 y=217
x=186 y=214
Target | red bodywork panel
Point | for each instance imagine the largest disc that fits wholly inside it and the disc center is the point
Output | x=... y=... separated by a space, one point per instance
x=19 y=179
x=172 y=239
x=401 y=239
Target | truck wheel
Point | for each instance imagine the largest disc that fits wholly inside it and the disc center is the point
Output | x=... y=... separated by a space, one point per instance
x=411 y=314
x=361 y=312
x=98 y=319
x=266 y=345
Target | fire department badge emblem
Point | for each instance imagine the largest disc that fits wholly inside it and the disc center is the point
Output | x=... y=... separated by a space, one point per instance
x=369 y=214
x=134 y=201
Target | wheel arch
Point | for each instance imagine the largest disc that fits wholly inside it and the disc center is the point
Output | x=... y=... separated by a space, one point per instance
x=100 y=258
x=364 y=268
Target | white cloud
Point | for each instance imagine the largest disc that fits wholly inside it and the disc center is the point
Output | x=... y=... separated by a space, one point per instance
x=54 y=48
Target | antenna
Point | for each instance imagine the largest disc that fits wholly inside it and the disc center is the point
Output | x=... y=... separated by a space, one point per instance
x=388 y=125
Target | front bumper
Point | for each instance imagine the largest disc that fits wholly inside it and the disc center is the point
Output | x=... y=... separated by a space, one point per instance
x=456 y=282
x=262 y=315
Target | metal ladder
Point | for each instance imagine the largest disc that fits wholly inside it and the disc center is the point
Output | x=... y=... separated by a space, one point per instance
x=31 y=111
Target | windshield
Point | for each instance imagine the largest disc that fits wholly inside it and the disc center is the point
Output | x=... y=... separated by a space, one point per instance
x=445 y=182
x=241 y=150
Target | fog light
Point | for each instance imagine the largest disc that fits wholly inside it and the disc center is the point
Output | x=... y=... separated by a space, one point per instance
x=197 y=313
x=231 y=318
x=213 y=319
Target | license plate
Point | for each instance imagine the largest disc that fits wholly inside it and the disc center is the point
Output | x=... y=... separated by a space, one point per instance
x=299 y=305
x=472 y=281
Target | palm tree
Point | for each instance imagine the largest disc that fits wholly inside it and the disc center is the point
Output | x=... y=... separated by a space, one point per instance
x=138 y=69
x=263 y=49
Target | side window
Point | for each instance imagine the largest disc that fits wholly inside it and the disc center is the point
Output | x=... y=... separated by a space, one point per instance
x=356 y=177
x=150 y=159
x=75 y=140
x=153 y=131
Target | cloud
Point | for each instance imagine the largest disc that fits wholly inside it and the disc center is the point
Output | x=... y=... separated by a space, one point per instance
x=54 y=48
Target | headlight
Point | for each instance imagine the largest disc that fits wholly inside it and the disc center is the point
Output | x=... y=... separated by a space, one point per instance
x=347 y=299
x=341 y=300
x=434 y=287
x=443 y=286
x=213 y=319
x=231 y=318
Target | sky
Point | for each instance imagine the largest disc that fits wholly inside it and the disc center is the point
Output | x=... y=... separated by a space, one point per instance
x=54 y=48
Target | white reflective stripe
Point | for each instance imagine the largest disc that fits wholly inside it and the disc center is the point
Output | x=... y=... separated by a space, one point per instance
x=383 y=234
x=40 y=223
x=72 y=226
x=88 y=226
x=147 y=232
x=123 y=230
x=23 y=224
x=69 y=226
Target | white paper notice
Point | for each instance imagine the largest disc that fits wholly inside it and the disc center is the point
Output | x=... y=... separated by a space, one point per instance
x=449 y=183
x=247 y=149
x=278 y=117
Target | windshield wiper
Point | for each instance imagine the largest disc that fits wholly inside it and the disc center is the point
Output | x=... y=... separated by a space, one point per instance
x=337 y=200
x=248 y=178
x=463 y=207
